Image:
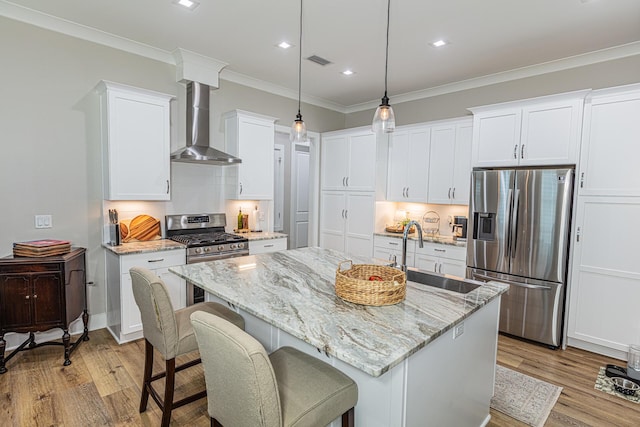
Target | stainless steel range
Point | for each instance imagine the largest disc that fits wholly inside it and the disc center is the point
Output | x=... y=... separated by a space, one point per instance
x=206 y=240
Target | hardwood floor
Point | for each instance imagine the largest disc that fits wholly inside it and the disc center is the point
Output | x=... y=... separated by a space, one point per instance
x=102 y=387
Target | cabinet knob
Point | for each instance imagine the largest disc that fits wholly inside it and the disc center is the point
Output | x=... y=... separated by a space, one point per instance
x=35 y=296
x=26 y=297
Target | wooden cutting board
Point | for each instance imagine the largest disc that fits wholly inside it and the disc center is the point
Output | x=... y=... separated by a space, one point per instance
x=141 y=228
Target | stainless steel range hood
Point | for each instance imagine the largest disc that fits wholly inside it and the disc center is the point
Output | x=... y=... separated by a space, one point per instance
x=198 y=149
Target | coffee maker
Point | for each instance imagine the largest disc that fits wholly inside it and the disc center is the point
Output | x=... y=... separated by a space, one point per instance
x=460 y=228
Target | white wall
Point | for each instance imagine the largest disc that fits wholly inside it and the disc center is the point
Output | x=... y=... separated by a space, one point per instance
x=50 y=154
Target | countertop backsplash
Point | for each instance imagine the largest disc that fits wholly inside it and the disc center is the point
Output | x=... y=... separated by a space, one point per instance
x=388 y=213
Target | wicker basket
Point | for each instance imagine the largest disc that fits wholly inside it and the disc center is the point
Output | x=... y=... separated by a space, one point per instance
x=353 y=284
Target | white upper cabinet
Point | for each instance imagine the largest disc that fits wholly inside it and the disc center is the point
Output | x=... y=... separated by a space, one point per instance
x=135 y=133
x=349 y=161
x=533 y=132
x=450 y=163
x=250 y=137
x=610 y=146
x=408 y=173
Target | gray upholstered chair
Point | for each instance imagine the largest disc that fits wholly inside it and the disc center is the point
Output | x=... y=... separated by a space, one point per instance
x=247 y=387
x=171 y=334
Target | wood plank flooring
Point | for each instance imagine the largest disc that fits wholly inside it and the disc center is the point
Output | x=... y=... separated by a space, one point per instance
x=102 y=387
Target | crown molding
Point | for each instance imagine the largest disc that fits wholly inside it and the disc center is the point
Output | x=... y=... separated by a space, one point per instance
x=609 y=54
x=42 y=20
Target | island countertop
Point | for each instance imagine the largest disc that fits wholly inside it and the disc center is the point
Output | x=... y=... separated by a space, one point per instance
x=294 y=291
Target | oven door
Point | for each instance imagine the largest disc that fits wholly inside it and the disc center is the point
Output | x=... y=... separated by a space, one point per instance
x=195 y=294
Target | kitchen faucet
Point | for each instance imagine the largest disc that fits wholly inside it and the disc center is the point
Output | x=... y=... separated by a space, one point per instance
x=407 y=227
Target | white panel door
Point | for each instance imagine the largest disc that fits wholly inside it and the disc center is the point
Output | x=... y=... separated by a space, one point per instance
x=611 y=146
x=255 y=173
x=362 y=163
x=398 y=171
x=550 y=134
x=462 y=165
x=359 y=223
x=334 y=162
x=278 y=187
x=496 y=138
x=443 y=139
x=300 y=199
x=418 y=165
x=332 y=220
x=605 y=278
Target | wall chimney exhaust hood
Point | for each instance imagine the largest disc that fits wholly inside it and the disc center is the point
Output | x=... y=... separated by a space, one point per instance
x=197 y=149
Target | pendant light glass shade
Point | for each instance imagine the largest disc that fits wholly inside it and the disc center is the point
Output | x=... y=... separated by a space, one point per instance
x=384 y=121
x=298 y=128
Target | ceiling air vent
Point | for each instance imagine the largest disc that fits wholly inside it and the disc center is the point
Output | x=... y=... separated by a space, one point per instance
x=319 y=60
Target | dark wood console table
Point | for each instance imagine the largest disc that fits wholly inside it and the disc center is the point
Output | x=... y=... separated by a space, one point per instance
x=38 y=294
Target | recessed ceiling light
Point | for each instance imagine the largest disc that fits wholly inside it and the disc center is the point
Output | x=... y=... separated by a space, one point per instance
x=439 y=43
x=189 y=4
x=284 y=45
x=347 y=72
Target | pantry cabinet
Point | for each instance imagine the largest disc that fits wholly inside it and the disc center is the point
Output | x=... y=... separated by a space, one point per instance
x=408 y=174
x=606 y=228
x=250 y=137
x=347 y=222
x=533 y=132
x=123 y=316
x=450 y=163
x=348 y=161
x=439 y=258
x=135 y=134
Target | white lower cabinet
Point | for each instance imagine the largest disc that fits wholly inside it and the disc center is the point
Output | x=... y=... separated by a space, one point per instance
x=439 y=258
x=605 y=276
x=123 y=316
x=267 y=245
x=386 y=248
x=347 y=221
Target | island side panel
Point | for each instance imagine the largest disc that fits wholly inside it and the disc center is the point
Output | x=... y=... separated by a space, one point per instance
x=450 y=382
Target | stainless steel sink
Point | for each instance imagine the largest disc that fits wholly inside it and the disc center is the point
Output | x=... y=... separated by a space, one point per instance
x=441 y=281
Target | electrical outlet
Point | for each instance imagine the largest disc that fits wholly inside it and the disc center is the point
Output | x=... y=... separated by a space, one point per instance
x=43 y=221
x=458 y=330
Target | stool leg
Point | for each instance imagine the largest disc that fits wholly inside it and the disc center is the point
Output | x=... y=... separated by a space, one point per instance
x=168 y=392
x=66 y=340
x=146 y=376
x=3 y=344
x=348 y=418
x=215 y=423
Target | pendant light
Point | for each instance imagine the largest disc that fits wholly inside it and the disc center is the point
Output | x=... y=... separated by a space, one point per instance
x=384 y=119
x=298 y=128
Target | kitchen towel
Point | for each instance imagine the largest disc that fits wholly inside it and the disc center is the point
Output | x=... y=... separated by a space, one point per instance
x=522 y=397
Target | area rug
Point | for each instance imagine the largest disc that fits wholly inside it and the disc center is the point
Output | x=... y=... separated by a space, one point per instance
x=522 y=397
x=604 y=383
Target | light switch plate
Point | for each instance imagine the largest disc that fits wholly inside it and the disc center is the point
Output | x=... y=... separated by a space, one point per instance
x=43 y=221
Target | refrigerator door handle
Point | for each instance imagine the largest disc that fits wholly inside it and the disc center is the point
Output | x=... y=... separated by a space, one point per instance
x=511 y=282
x=514 y=224
x=509 y=225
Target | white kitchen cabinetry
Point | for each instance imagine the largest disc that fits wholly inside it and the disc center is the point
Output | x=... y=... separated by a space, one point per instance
x=267 y=245
x=439 y=258
x=123 y=315
x=409 y=165
x=605 y=274
x=135 y=134
x=610 y=148
x=250 y=137
x=533 y=132
x=450 y=163
x=347 y=221
x=386 y=248
x=349 y=161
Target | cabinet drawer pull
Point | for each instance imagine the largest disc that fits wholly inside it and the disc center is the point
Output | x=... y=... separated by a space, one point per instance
x=347 y=181
x=394 y=243
x=449 y=194
x=167 y=186
x=522 y=152
x=268 y=246
x=453 y=193
x=515 y=151
x=440 y=250
x=407 y=192
x=240 y=188
x=440 y=268
x=156 y=260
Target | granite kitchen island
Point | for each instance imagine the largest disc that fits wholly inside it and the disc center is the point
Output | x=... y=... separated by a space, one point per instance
x=429 y=360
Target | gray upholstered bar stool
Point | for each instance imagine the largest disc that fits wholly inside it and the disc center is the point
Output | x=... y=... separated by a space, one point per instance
x=247 y=387
x=171 y=334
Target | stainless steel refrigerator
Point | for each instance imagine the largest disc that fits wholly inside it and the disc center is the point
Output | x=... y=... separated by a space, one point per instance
x=519 y=234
